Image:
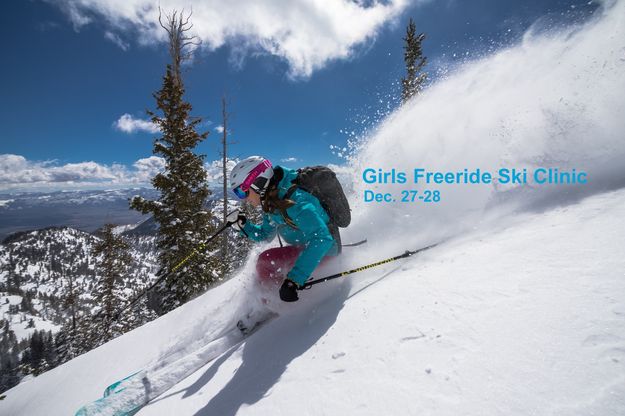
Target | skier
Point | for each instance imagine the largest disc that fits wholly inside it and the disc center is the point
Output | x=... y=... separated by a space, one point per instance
x=297 y=216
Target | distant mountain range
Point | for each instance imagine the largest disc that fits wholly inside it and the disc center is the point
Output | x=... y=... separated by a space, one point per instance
x=83 y=210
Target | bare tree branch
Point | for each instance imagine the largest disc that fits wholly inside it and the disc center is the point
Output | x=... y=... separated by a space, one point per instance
x=181 y=45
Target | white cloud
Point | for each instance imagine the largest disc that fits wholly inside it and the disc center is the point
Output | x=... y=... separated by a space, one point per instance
x=113 y=37
x=18 y=173
x=289 y=159
x=306 y=34
x=219 y=129
x=129 y=124
x=214 y=171
x=146 y=169
x=78 y=16
x=152 y=163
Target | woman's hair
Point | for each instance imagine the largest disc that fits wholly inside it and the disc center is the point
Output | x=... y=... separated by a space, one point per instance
x=271 y=202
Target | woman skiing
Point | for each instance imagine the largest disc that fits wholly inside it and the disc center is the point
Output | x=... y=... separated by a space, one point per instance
x=296 y=215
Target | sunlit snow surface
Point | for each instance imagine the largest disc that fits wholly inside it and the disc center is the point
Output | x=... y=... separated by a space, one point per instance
x=520 y=311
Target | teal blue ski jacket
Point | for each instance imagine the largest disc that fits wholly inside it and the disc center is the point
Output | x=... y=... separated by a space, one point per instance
x=312 y=228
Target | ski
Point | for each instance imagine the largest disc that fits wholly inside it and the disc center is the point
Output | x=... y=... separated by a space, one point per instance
x=130 y=394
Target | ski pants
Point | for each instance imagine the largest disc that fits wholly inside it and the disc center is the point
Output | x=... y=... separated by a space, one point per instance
x=274 y=264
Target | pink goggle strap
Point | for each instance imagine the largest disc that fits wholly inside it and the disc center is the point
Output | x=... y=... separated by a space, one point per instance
x=254 y=174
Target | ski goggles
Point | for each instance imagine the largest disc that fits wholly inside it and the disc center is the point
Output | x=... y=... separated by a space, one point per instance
x=242 y=191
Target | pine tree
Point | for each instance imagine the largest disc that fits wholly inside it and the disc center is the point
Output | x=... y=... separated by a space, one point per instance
x=9 y=358
x=49 y=351
x=138 y=315
x=184 y=222
x=9 y=373
x=70 y=301
x=415 y=61
x=13 y=280
x=112 y=264
x=71 y=341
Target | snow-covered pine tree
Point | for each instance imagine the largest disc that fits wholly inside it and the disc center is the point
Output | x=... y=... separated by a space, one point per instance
x=70 y=340
x=415 y=61
x=113 y=260
x=9 y=357
x=12 y=279
x=184 y=222
x=140 y=313
x=40 y=356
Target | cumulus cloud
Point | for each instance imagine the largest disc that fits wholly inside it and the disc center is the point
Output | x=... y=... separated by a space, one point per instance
x=219 y=129
x=129 y=124
x=214 y=170
x=289 y=159
x=145 y=169
x=306 y=34
x=18 y=173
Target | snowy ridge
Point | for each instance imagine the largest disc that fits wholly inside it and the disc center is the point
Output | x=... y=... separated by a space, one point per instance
x=42 y=262
x=83 y=210
x=19 y=322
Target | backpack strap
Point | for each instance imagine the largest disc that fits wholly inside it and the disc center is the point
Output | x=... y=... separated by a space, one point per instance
x=334 y=230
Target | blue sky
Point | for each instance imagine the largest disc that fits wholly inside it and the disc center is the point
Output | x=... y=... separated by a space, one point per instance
x=71 y=73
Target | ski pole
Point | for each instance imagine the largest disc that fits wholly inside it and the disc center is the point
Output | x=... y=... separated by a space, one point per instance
x=195 y=251
x=408 y=253
x=355 y=244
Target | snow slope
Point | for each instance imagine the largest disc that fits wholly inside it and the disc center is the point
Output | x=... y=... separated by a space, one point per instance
x=520 y=311
x=527 y=318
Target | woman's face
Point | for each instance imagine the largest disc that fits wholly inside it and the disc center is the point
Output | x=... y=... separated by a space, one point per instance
x=253 y=198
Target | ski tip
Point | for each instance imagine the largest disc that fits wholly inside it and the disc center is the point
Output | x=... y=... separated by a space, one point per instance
x=113 y=387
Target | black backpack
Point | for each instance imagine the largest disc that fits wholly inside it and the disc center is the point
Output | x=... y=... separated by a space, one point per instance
x=321 y=182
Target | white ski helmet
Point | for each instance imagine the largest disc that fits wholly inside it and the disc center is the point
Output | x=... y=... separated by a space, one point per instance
x=253 y=172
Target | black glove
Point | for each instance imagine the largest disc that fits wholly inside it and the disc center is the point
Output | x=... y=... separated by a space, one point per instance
x=288 y=291
x=236 y=219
